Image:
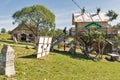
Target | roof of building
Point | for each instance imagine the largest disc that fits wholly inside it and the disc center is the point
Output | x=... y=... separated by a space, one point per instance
x=21 y=27
x=90 y=17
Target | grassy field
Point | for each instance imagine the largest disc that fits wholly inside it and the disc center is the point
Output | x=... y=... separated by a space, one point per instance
x=60 y=65
x=6 y=38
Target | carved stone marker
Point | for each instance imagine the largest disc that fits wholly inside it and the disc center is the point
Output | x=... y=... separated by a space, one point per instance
x=7 y=61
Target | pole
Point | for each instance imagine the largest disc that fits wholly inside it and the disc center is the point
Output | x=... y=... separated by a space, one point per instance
x=64 y=45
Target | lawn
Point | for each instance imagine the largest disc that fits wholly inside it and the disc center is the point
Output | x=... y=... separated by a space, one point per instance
x=60 y=65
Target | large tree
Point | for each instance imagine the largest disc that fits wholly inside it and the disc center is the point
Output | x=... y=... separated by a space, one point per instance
x=92 y=40
x=38 y=16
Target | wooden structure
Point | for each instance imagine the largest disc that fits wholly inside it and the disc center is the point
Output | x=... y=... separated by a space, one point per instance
x=22 y=33
x=83 y=21
x=89 y=19
x=114 y=57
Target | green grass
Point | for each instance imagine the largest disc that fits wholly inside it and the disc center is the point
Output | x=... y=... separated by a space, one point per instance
x=60 y=65
x=6 y=38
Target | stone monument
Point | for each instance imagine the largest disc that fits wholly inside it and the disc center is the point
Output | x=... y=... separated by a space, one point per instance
x=7 y=61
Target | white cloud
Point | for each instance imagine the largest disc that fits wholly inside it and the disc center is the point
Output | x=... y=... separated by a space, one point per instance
x=2 y=22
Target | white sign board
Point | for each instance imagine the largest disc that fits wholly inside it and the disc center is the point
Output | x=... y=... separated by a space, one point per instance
x=44 y=46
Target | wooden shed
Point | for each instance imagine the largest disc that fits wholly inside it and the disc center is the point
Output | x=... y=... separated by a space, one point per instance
x=22 y=33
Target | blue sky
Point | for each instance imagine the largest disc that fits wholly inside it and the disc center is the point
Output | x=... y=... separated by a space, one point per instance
x=63 y=9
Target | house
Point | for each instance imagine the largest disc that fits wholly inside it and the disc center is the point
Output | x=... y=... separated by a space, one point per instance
x=91 y=20
x=85 y=21
x=22 y=33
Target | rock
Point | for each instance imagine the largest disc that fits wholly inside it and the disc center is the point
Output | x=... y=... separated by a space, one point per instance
x=72 y=50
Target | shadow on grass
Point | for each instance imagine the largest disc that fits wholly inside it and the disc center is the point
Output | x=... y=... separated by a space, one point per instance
x=7 y=41
x=30 y=56
x=12 y=42
x=26 y=43
x=76 y=56
x=66 y=53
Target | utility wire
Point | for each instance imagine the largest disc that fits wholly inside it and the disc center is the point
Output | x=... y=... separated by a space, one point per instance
x=81 y=9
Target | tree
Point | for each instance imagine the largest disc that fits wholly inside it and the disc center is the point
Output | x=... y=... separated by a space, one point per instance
x=85 y=40
x=92 y=40
x=9 y=31
x=57 y=34
x=3 y=30
x=38 y=16
x=100 y=42
x=118 y=26
x=112 y=14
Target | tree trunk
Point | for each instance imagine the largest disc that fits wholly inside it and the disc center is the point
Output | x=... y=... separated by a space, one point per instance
x=98 y=50
x=102 y=50
x=86 y=50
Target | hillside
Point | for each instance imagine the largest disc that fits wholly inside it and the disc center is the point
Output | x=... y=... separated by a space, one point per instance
x=60 y=66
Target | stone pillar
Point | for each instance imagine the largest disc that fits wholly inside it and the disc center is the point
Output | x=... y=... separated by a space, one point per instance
x=7 y=61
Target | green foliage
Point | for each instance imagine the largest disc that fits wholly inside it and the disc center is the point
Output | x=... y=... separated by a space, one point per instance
x=118 y=36
x=117 y=26
x=89 y=37
x=6 y=39
x=57 y=34
x=112 y=14
x=3 y=30
x=98 y=36
x=36 y=13
x=116 y=42
x=38 y=16
x=92 y=36
x=5 y=36
x=59 y=66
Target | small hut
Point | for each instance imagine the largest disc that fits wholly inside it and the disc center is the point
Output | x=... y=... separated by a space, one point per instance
x=22 y=33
